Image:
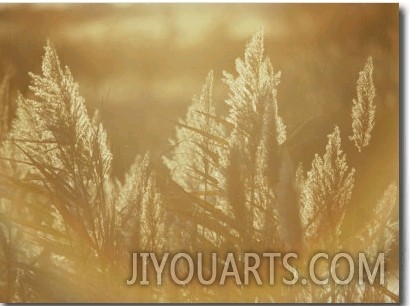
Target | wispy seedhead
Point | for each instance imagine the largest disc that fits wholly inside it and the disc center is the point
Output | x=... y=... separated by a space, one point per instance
x=199 y=137
x=253 y=88
x=255 y=141
x=326 y=191
x=65 y=150
x=364 y=109
x=141 y=208
x=381 y=232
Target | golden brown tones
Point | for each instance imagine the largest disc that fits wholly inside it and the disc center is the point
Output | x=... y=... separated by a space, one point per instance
x=229 y=182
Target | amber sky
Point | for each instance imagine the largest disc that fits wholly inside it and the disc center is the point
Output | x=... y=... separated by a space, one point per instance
x=140 y=64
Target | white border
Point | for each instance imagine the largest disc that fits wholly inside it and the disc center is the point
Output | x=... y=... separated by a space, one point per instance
x=404 y=184
x=185 y=1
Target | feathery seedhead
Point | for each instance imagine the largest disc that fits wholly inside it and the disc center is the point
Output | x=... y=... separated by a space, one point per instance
x=327 y=189
x=364 y=109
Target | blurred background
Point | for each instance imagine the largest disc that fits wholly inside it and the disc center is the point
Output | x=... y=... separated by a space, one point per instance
x=140 y=65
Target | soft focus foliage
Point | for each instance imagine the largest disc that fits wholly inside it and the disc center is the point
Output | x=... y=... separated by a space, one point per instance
x=68 y=226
